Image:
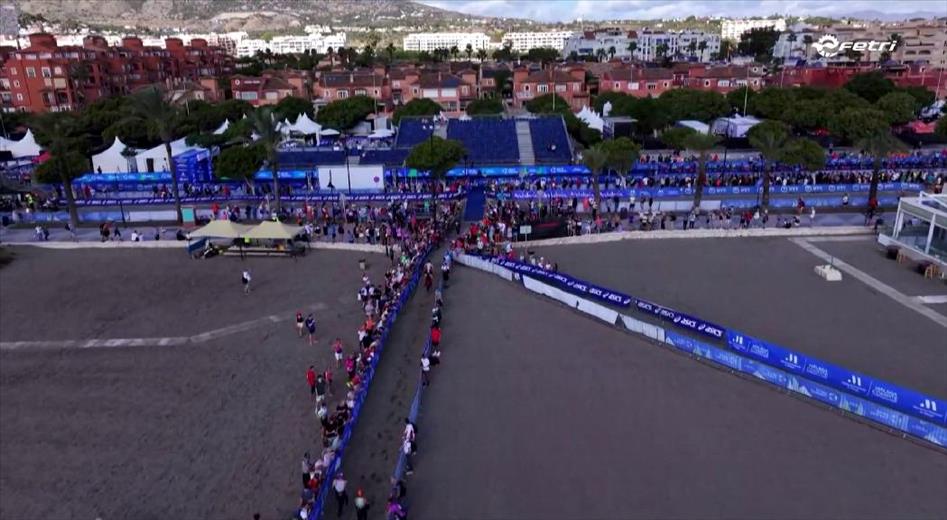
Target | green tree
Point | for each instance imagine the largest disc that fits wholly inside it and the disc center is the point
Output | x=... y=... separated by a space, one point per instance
x=343 y=114
x=941 y=128
x=481 y=54
x=417 y=107
x=687 y=103
x=632 y=48
x=153 y=108
x=772 y=102
x=454 y=52
x=701 y=144
x=263 y=122
x=486 y=106
x=435 y=156
x=60 y=134
x=899 y=107
x=650 y=116
x=759 y=43
x=468 y=50
x=611 y=52
x=596 y=160
x=291 y=106
x=871 y=85
x=600 y=54
x=726 y=49
x=869 y=130
x=240 y=163
x=769 y=138
x=621 y=154
x=390 y=51
x=923 y=97
x=543 y=55
x=505 y=53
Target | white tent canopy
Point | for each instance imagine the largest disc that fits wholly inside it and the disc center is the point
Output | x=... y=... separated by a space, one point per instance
x=25 y=147
x=736 y=126
x=329 y=131
x=697 y=126
x=221 y=229
x=591 y=118
x=381 y=134
x=160 y=161
x=223 y=127
x=113 y=160
x=306 y=126
x=271 y=230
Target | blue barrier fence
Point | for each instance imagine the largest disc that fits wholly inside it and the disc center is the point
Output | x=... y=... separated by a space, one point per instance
x=361 y=395
x=892 y=396
x=671 y=192
x=902 y=409
x=314 y=197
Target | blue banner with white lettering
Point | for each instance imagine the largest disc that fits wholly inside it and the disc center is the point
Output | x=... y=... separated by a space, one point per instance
x=662 y=192
x=565 y=282
x=680 y=319
x=782 y=368
x=892 y=396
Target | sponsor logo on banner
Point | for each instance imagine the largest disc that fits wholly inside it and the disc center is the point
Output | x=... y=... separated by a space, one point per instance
x=856 y=384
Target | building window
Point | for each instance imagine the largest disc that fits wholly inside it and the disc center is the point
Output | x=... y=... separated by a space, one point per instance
x=46 y=72
x=397 y=84
x=652 y=86
x=19 y=97
x=414 y=91
x=30 y=72
x=375 y=91
x=57 y=71
x=617 y=85
x=560 y=88
x=16 y=83
x=706 y=82
x=360 y=92
x=542 y=89
x=342 y=94
x=576 y=87
x=13 y=71
x=526 y=88
x=667 y=84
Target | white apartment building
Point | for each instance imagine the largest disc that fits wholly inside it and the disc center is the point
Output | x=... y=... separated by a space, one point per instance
x=524 y=41
x=921 y=41
x=430 y=41
x=588 y=43
x=291 y=44
x=689 y=44
x=734 y=29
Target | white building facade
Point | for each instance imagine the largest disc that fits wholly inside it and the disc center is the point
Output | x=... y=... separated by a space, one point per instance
x=689 y=44
x=524 y=41
x=291 y=44
x=734 y=29
x=590 y=42
x=430 y=41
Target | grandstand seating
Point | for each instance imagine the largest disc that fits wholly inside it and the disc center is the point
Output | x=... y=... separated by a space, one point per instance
x=393 y=157
x=487 y=140
x=412 y=131
x=309 y=157
x=548 y=132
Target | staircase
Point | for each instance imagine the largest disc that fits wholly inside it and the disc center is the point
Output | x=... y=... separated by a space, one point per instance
x=524 y=141
x=476 y=199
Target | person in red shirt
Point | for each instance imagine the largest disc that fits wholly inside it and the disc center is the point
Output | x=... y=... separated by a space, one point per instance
x=311 y=378
x=435 y=337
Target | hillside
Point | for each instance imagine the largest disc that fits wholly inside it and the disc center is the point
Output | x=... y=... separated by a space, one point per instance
x=246 y=15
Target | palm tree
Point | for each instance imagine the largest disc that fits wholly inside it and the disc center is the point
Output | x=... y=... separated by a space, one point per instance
x=454 y=51
x=878 y=145
x=692 y=48
x=702 y=46
x=600 y=54
x=481 y=55
x=469 y=51
x=153 y=107
x=611 y=52
x=769 y=138
x=331 y=52
x=390 y=50
x=632 y=48
x=595 y=159
x=661 y=50
x=263 y=122
x=702 y=144
x=57 y=131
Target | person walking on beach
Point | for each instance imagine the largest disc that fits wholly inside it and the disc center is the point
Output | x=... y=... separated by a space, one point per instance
x=245 y=278
x=311 y=328
x=311 y=379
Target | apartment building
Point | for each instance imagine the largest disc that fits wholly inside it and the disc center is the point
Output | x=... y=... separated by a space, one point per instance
x=333 y=86
x=637 y=81
x=734 y=29
x=445 y=40
x=45 y=76
x=291 y=44
x=689 y=44
x=919 y=41
x=269 y=88
x=607 y=43
x=567 y=82
x=524 y=41
x=723 y=79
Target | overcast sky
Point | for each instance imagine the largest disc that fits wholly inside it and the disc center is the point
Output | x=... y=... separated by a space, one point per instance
x=566 y=10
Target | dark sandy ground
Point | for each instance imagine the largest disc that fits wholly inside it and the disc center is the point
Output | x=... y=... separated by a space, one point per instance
x=538 y=412
x=214 y=430
x=767 y=288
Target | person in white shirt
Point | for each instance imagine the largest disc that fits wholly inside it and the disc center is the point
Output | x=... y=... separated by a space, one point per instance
x=341 y=497
x=425 y=368
x=245 y=278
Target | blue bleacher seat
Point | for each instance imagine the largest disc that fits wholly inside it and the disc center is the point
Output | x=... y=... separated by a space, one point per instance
x=309 y=157
x=548 y=132
x=393 y=157
x=487 y=140
x=412 y=131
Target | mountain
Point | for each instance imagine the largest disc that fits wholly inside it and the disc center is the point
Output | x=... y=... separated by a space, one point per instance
x=246 y=15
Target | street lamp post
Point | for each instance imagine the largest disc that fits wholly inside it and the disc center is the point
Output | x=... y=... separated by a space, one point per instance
x=345 y=147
